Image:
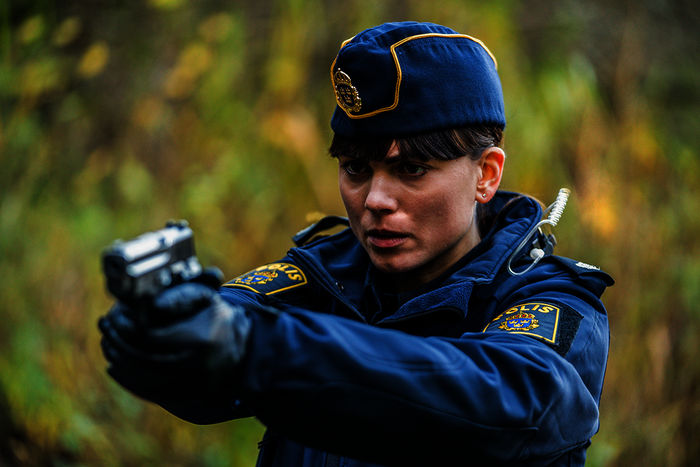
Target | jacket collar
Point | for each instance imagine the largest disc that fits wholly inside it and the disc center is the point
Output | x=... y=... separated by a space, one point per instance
x=515 y=216
x=341 y=259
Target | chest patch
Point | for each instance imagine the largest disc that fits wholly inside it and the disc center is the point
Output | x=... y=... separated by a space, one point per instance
x=270 y=279
x=556 y=324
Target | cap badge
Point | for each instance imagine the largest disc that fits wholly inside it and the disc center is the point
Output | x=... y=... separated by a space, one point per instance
x=345 y=93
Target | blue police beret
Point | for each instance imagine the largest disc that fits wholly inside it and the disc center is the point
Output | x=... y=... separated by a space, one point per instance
x=409 y=77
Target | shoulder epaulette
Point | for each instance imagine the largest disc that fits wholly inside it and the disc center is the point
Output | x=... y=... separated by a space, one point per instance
x=305 y=235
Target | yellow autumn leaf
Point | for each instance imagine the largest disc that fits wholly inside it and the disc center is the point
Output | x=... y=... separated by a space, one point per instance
x=196 y=57
x=31 y=29
x=40 y=76
x=94 y=60
x=599 y=213
x=194 y=60
x=216 y=27
x=67 y=31
x=148 y=113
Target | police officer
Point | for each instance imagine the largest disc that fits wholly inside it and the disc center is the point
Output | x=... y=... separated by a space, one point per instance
x=438 y=329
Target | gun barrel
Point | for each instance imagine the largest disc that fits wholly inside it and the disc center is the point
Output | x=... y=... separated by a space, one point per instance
x=144 y=266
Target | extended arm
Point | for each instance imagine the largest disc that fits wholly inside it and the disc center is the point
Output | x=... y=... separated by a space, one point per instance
x=352 y=388
x=384 y=395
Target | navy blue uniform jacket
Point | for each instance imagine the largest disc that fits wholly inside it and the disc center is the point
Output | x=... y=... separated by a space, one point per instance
x=480 y=367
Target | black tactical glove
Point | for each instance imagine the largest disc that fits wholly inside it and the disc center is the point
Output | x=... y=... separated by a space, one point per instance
x=187 y=350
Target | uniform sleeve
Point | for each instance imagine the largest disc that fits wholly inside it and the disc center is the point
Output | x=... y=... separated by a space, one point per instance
x=387 y=396
x=247 y=290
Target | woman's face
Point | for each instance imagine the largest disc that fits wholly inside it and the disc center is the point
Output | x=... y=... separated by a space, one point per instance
x=409 y=215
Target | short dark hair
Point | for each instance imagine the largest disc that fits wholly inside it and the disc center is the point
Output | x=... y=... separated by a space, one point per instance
x=449 y=144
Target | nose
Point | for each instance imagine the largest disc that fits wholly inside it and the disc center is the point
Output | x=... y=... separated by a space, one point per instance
x=381 y=197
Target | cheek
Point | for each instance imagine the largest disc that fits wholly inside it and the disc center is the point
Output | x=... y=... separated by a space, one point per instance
x=351 y=198
x=354 y=204
x=447 y=215
x=449 y=206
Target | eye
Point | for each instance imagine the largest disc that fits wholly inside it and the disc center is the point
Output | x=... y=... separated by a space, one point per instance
x=412 y=169
x=355 y=167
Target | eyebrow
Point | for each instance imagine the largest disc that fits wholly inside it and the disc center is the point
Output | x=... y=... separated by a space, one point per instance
x=406 y=158
x=394 y=159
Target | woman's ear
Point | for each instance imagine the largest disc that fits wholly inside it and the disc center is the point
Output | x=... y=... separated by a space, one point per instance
x=491 y=165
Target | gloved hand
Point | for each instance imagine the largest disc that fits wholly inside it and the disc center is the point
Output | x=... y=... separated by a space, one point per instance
x=187 y=350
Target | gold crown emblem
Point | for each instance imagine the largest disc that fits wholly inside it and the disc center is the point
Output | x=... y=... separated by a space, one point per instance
x=520 y=322
x=260 y=277
x=345 y=93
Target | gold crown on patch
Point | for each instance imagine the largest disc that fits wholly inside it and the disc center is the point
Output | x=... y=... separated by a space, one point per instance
x=520 y=322
x=345 y=93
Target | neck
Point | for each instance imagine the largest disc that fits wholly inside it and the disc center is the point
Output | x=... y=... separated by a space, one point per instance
x=428 y=272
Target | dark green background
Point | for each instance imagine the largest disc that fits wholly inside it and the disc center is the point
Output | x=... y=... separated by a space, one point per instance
x=116 y=116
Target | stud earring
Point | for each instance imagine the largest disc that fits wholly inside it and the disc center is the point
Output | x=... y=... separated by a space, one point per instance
x=483 y=195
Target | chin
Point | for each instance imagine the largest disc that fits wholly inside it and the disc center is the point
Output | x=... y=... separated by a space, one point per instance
x=392 y=266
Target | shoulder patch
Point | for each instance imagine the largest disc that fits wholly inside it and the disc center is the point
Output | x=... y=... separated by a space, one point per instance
x=270 y=279
x=554 y=323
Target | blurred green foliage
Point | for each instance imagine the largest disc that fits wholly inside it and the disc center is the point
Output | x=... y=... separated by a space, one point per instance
x=116 y=116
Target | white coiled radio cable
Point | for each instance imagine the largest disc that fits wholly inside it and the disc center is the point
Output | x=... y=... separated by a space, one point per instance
x=553 y=213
